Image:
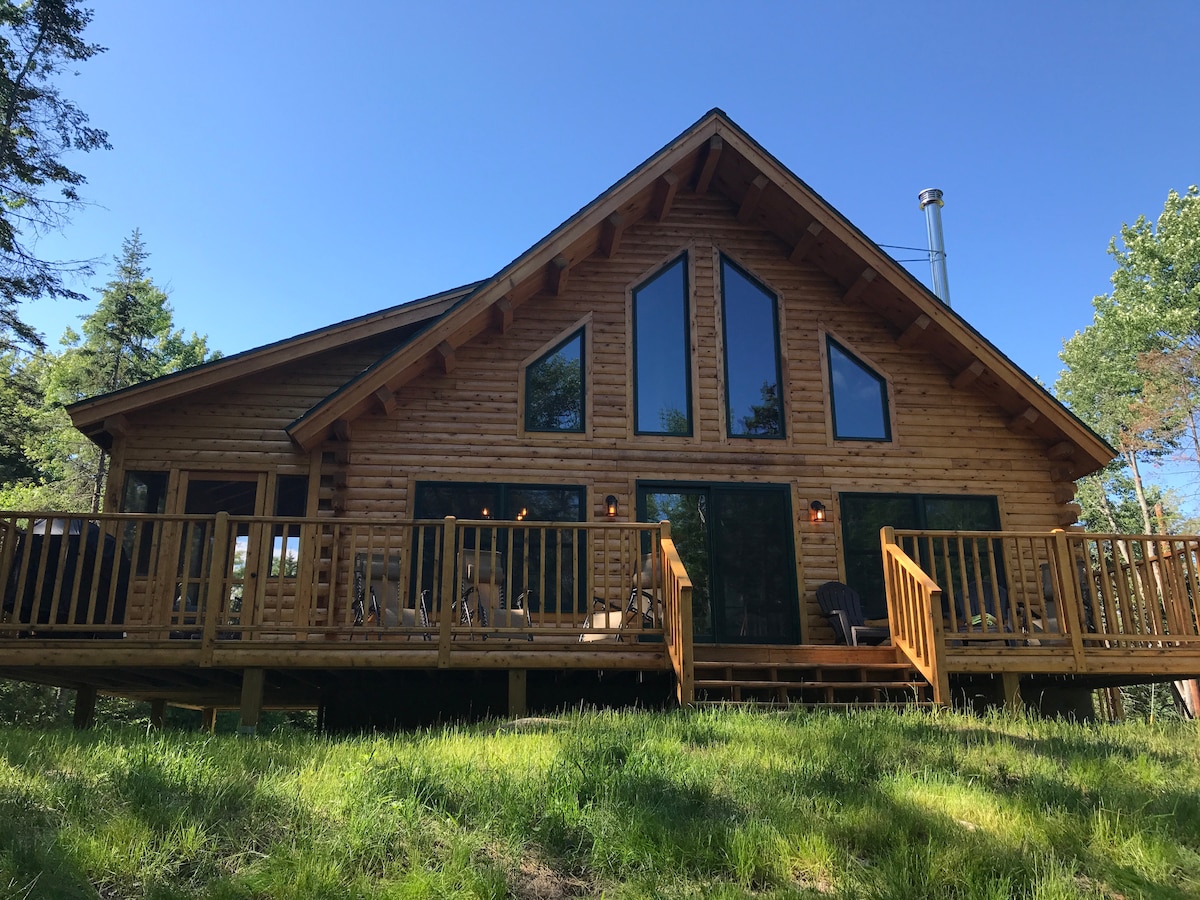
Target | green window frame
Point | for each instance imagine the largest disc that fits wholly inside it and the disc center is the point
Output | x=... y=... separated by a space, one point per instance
x=662 y=355
x=753 y=369
x=858 y=397
x=555 y=391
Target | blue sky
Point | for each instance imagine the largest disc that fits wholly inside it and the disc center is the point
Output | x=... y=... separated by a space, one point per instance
x=292 y=164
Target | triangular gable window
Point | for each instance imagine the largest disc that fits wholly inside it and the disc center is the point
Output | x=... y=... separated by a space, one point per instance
x=860 y=397
x=554 y=389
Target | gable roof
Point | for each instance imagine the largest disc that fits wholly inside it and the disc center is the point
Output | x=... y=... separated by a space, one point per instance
x=97 y=416
x=715 y=155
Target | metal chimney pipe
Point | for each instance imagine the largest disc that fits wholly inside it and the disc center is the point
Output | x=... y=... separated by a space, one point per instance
x=931 y=202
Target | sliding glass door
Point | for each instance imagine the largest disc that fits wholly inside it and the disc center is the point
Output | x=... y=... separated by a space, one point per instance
x=736 y=543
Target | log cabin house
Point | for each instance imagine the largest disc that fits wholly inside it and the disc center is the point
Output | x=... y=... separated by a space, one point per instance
x=619 y=468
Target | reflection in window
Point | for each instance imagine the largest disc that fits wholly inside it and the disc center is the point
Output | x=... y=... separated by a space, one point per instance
x=145 y=492
x=291 y=499
x=554 y=388
x=860 y=407
x=751 y=355
x=662 y=364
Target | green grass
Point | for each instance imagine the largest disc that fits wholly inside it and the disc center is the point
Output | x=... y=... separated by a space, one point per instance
x=720 y=804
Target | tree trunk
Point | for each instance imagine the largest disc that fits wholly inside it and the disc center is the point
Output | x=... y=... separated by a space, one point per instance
x=1131 y=458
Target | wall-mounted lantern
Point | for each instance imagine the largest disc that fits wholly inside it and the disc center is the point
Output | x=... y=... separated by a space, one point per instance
x=610 y=506
x=816 y=511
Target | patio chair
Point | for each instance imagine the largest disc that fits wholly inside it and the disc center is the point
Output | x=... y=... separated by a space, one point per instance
x=377 y=599
x=642 y=609
x=843 y=607
x=484 y=600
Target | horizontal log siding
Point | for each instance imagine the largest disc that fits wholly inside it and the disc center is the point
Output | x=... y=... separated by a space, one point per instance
x=464 y=425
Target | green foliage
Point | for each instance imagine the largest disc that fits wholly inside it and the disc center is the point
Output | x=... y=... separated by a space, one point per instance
x=554 y=391
x=129 y=338
x=1132 y=374
x=716 y=803
x=764 y=418
x=39 y=40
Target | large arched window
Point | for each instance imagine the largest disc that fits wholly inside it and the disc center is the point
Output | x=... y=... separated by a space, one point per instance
x=662 y=363
x=752 y=374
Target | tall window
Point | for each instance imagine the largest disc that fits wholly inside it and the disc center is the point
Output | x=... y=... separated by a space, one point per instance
x=145 y=492
x=752 y=376
x=662 y=358
x=859 y=398
x=554 y=388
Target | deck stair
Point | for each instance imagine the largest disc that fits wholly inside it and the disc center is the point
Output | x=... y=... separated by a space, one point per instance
x=813 y=675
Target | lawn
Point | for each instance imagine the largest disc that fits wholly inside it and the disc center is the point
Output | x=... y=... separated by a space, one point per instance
x=709 y=803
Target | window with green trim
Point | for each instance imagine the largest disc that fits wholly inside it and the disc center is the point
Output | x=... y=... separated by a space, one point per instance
x=662 y=364
x=858 y=396
x=752 y=372
x=554 y=388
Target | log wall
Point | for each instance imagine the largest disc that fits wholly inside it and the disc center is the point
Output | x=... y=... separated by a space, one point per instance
x=466 y=424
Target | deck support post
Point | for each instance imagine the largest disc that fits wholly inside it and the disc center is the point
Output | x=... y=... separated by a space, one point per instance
x=208 y=719
x=85 y=707
x=252 y=699
x=1012 y=691
x=158 y=714
x=517 y=706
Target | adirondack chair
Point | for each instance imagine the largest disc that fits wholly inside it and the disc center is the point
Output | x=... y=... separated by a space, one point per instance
x=843 y=607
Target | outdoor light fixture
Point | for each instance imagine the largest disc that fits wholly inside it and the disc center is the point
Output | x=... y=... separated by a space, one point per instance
x=816 y=511
x=522 y=514
x=485 y=514
x=610 y=505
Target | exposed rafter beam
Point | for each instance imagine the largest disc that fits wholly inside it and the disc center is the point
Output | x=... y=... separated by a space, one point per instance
x=611 y=233
x=1023 y=420
x=807 y=242
x=556 y=273
x=861 y=283
x=917 y=330
x=1061 y=450
x=341 y=430
x=665 y=189
x=711 y=157
x=387 y=400
x=502 y=315
x=968 y=376
x=446 y=357
x=753 y=198
x=116 y=425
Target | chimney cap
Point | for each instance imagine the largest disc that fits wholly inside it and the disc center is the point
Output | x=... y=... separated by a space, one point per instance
x=930 y=195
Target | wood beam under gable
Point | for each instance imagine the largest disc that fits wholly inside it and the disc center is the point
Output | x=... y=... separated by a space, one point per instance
x=387 y=400
x=117 y=426
x=915 y=332
x=341 y=430
x=753 y=198
x=807 y=242
x=860 y=284
x=709 y=168
x=611 y=233
x=446 y=357
x=1061 y=450
x=1023 y=420
x=1070 y=514
x=665 y=189
x=1064 y=492
x=556 y=273
x=502 y=315
x=968 y=376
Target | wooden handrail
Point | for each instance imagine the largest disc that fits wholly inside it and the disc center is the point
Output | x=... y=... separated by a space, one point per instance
x=677 y=588
x=914 y=603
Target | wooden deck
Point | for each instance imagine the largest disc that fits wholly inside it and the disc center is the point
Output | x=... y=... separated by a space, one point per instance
x=1098 y=607
x=220 y=611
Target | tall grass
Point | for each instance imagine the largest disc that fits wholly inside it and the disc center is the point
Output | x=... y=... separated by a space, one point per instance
x=712 y=803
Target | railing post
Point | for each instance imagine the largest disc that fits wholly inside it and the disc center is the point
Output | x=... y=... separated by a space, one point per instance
x=211 y=611
x=1067 y=583
x=446 y=591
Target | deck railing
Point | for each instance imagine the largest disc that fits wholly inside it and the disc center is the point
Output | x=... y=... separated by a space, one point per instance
x=1047 y=602
x=538 y=590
